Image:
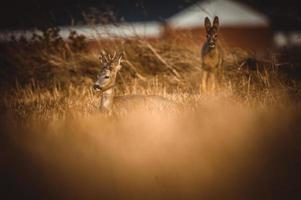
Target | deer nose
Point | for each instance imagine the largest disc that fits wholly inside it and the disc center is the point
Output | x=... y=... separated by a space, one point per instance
x=211 y=44
x=97 y=87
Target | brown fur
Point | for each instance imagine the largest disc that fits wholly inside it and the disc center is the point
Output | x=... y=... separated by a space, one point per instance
x=109 y=102
x=211 y=56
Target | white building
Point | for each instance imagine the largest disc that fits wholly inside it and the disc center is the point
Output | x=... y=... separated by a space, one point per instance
x=241 y=25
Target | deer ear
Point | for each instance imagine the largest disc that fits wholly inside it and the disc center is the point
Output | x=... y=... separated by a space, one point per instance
x=216 y=22
x=207 y=24
x=118 y=61
x=118 y=67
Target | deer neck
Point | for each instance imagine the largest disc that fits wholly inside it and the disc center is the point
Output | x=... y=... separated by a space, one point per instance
x=107 y=99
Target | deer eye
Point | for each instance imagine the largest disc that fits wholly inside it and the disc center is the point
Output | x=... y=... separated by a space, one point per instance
x=107 y=76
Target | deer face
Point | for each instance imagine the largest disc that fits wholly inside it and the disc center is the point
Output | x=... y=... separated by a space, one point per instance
x=106 y=79
x=211 y=31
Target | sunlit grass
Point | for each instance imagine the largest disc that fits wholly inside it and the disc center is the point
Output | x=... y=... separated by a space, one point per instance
x=214 y=145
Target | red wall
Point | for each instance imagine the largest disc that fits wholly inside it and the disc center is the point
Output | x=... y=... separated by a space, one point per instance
x=250 y=38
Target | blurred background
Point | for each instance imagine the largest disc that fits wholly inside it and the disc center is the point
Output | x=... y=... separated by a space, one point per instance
x=265 y=23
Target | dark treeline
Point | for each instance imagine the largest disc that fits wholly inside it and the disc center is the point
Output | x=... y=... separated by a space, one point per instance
x=284 y=15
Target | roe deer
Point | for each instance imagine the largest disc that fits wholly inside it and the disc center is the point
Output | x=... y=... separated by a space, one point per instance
x=211 y=55
x=105 y=83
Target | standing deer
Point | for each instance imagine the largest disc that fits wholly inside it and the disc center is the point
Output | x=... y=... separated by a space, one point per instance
x=106 y=79
x=211 y=55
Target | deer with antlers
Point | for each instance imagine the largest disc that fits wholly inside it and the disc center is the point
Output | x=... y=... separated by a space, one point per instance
x=106 y=81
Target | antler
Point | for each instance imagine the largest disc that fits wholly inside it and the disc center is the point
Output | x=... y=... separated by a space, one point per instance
x=113 y=56
x=107 y=57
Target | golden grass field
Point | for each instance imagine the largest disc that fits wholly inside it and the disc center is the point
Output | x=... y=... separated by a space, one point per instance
x=238 y=142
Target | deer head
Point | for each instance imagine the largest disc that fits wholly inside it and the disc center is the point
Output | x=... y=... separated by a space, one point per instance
x=211 y=31
x=110 y=65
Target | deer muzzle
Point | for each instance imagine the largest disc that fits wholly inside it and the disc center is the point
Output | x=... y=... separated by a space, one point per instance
x=97 y=87
x=211 y=44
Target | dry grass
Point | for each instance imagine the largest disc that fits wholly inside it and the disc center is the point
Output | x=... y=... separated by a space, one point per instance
x=239 y=142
